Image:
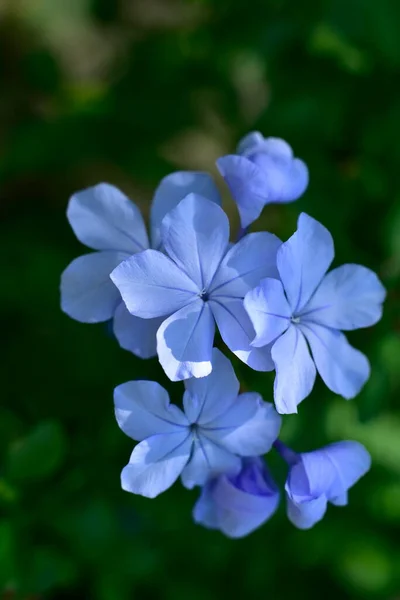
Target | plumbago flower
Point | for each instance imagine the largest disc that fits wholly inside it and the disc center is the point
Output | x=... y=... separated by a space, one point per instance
x=264 y=170
x=322 y=476
x=104 y=219
x=310 y=307
x=238 y=504
x=215 y=429
x=199 y=280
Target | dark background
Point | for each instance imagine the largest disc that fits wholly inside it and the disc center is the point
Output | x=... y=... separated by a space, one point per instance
x=127 y=91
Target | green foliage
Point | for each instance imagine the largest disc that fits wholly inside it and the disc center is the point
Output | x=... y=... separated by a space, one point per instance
x=126 y=91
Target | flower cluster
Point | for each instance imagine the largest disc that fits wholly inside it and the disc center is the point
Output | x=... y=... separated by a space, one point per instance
x=276 y=308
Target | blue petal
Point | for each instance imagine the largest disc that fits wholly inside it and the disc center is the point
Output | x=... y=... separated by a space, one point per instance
x=172 y=189
x=195 y=235
x=350 y=461
x=295 y=370
x=268 y=310
x=247 y=184
x=151 y=285
x=348 y=297
x=343 y=368
x=156 y=463
x=103 y=218
x=306 y=515
x=273 y=147
x=185 y=342
x=135 y=334
x=245 y=264
x=142 y=409
x=249 y=426
x=249 y=142
x=237 y=332
x=208 y=460
x=286 y=177
x=238 y=505
x=87 y=292
x=208 y=397
x=303 y=261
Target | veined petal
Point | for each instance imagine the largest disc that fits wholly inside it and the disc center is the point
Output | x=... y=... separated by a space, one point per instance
x=103 y=218
x=156 y=463
x=249 y=427
x=246 y=182
x=87 y=292
x=286 y=178
x=143 y=409
x=268 y=310
x=195 y=235
x=343 y=368
x=151 y=285
x=295 y=370
x=249 y=142
x=348 y=297
x=207 y=461
x=305 y=515
x=185 y=342
x=135 y=334
x=245 y=264
x=273 y=147
x=237 y=332
x=172 y=189
x=303 y=261
x=208 y=397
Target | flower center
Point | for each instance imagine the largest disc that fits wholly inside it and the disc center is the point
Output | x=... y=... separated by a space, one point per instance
x=295 y=320
x=203 y=295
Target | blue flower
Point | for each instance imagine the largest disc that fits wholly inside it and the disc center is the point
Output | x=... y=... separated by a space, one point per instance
x=215 y=428
x=310 y=306
x=104 y=219
x=199 y=279
x=316 y=478
x=238 y=504
x=263 y=171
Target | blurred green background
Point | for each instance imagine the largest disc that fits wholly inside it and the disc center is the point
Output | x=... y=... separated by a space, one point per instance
x=126 y=91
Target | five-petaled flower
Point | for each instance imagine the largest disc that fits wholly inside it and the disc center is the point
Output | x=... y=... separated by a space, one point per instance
x=199 y=279
x=215 y=429
x=263 y=171
x=104 y=219
x=308 y=305
x=238 y=504
x=322 y=476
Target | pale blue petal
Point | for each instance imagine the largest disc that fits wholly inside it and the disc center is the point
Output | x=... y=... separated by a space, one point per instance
x=172 y=189
x=268 y=310
x=135 y=334
x=306 y=515
x=103 y=218
x=237 y=332
x=311 y=477
x=208 y=460
x=350 y=461
x=295 y=370
x=245 y=264
x=273 y=147
x=341 y=500
x=348 y=297
x=249 y=142
x=303 y=261
x=151 y=285
x=143 y=409
x=185 y=342
x=343 y=368
x=249 y=426
x=87 y=292
x=208 y=397
x=238 y=505
x=156 y=463
x=246 y=182
x=195 y=235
